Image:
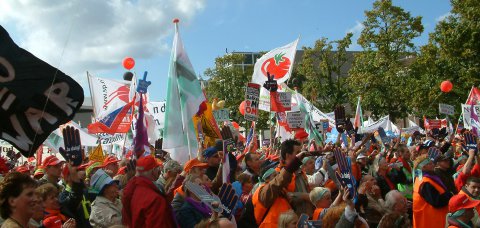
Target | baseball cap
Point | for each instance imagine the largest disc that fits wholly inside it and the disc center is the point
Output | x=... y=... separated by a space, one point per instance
x=194 y=163
x=147 y=163
x=122 y=171
x=22 y=169
x=110 y=160
x=84 y=166
x=209 y=152
x=51 y=161
x=39 y=172
x=461 y=201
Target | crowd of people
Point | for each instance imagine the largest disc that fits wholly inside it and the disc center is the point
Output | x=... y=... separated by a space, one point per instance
x=429 y=181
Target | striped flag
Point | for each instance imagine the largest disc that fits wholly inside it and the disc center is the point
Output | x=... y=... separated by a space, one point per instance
x=250 y=137
x=358 y=115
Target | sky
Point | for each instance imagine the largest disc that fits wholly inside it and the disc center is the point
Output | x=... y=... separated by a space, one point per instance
x=77 y=36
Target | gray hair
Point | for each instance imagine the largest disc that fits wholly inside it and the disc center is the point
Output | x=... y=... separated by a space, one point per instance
x=173 y=166
x=391 y=199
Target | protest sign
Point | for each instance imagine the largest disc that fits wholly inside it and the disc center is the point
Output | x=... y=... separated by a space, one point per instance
x=296 y=120
x=467 y=123
x=251 y=101
x=446 y=109
x=431 y=124
x=35 y=97
x=285 y=99
x=382 y=122
x=222 y=115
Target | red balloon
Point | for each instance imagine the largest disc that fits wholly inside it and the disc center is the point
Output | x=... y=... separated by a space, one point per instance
x=446 y=86
x=128 y=63
x=176 y=20
x=241 y=108
x=235 y=125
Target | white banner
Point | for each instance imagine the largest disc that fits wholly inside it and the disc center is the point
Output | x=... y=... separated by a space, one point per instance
x=382 y=122
x=446 y=109
x=296 y=119
x=108 y=94
x=466 y=115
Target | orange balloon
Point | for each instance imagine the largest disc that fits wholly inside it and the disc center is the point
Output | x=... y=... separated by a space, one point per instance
x=446 y=86
x=128 y=63
x=241 y=108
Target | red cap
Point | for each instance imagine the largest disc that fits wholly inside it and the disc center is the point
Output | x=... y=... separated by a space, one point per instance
x=301 y=134
x=461 y=201
x=110 y=160
x=194 y=163
x=23 y=169
x=52 y=221
x=85 y=165
x=147 y=163
x=122 y=171
x=51 y=161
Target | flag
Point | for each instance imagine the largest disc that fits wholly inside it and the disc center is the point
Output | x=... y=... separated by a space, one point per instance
x=474 y=120
x=310 y=127
x=277 y=62
x=39 y=155
x=140 y=141
x=358 y=115
x=113 y=122
x=250 y=137
x=184 y=96
x=474 y=96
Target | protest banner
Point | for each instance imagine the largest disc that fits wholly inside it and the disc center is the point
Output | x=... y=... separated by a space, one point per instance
x=446 y=109
x=296 y=120
x=467 y=123
x=251 y=101
x=431 y=124
x=285 y=99
x=222 y=115
x=382 y=122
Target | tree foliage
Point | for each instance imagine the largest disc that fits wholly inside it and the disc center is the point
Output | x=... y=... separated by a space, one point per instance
x=379 y=72
x=322 y=80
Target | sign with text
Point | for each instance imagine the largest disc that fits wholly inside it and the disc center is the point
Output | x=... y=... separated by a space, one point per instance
x=446 y=109
x=467 y=113
x=286 y=99
x=252 y=95
x=296 y=120
x=222 y=115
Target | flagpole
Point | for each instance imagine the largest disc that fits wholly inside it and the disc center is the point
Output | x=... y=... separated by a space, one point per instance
x=91 y=97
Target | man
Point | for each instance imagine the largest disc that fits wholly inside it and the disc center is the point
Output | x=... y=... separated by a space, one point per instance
x=72 y=198
x=110 y=166
x=53 y=171
x=472 y=191
x=175 y=193
x=444 y=170
x=298 y=188
x=213 y=160
x=406 y=188
x=461 y=211
x=143 y=203
x=253 y=163
x=396 y=202
x=170 y=171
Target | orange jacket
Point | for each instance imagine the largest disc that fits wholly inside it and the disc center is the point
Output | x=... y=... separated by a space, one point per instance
x=279 y=206
x=424 y=214
x=316 y=213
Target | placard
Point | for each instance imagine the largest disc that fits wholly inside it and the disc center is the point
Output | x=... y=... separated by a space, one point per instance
x=222 y=115
x=286 y=99
x=466 y=115
x=252 y=95
x=296 y=120
x=446 y=109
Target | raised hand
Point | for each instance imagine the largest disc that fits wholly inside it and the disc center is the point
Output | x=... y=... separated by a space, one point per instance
x=73 y=152
x=344 y=173
x=228 y=198
x=271 y=84
x=340 y=118
x=433 y=153
x=470 y=142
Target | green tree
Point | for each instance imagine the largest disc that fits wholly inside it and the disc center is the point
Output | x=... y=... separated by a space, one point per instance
x=320 y=74
x=452 y=53
x=227 y=81
x=379 y=72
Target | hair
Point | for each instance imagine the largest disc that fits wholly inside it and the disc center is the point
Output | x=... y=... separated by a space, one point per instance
x=390 y=199
x=473 y=179
x=315 y=194
x=12 y=186
x=122 y=180
x=46 y=190
x=287 y=217
x=394 y=220
x=287 y=147
x=173 y=166
x=244 y=178
x=331 y=218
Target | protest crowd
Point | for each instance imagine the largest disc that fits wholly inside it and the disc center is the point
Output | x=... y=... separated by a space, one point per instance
x=328 y=172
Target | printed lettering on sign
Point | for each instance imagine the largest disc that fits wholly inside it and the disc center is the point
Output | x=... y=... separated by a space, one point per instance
x=251 y=101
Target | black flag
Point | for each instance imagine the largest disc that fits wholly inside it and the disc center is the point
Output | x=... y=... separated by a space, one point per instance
x=35 y=98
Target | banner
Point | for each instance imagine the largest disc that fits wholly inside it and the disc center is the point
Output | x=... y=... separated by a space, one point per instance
x=446 y=109
x=251 y=101
x=107 y=94
x=35 y=97
x=467 y=123
x=431 y=124
x=296 y=120
x=382 y=122
x=286 y=99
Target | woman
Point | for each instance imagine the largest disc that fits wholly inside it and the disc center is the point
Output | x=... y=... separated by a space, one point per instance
x=53 y=217
x=17 y=200
x=193 y=211
x=321 y=198
x=288 y=219
x=107 y=208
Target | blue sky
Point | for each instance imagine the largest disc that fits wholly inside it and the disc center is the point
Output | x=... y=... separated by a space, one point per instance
x=96 y=35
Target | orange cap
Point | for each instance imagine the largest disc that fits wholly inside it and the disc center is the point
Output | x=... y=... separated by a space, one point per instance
x=194 y=163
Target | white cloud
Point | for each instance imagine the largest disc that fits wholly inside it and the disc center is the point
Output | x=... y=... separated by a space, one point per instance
x=95 y=35
x=357 y=28
x=443 y=17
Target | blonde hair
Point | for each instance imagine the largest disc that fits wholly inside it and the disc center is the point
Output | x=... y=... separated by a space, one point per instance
x=46 y=190
x=317 y=194
x=287 y=217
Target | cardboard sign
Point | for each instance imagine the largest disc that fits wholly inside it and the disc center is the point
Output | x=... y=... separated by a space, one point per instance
x=467 y=123
x=286 y=99
x=222 y=114
x=296 y=120
x=431 y=124
x=446 y=109
x=36 y=97
x=252 y=95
